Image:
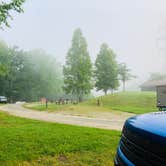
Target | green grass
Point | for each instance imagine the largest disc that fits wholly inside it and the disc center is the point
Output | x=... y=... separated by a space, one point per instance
x=133 y=102
x=42 y=107
x=29 y=142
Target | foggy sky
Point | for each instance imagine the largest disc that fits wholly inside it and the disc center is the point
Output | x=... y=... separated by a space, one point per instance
x=134 y=29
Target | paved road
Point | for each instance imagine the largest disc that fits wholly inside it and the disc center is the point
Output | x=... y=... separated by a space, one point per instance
x=19 y=110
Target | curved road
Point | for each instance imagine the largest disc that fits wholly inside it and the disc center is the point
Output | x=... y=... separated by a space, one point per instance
x=19 y=110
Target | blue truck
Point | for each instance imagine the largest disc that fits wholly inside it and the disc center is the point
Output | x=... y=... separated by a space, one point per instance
x=143 y=141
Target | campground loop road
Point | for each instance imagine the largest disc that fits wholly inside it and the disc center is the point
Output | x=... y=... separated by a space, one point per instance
x=19 y=110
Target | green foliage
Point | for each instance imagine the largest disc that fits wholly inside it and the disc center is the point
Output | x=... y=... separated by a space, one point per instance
x=6 y=8
x=77 y=71
x=124 y=74
x=4 y=59
x=106 y=72
x=133 y=102
x=37 y=142
x=29 y=75
x=50 y=108
x=46 y=74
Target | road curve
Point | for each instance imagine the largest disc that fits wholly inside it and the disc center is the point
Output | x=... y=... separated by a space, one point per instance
x=19 y=110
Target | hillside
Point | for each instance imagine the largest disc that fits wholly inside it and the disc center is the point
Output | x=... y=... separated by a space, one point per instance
x=133 y=102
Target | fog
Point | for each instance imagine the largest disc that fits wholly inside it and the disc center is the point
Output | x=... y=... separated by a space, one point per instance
x=134 y=29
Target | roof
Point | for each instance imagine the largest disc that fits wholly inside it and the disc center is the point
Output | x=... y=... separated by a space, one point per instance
x=153 y=83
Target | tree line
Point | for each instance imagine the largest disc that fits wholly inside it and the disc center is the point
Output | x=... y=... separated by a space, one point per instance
x=28 y=76
x=31 y=75
x=80 y=76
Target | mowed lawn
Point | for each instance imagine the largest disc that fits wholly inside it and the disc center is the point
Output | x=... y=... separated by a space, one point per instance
x=132 y=102
x=50 y=107
x=29 y=142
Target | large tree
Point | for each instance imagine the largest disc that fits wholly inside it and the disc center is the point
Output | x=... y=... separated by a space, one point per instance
x=77 y=71
x=106 y=70
x=4 y=59
x=29 y=75
x=124 y=74
x=6 y=8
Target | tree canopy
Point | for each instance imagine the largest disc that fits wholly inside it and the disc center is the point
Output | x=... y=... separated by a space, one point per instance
x=4 y=59
x=6 y=8
x=106 y=70
x=29 y=75
x=124 y=74
x=78 y=68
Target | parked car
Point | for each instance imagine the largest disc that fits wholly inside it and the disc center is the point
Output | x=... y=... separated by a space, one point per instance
x=143 y=141
x=3 y=99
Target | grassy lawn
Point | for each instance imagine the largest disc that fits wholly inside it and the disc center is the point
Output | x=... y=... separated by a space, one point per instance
x=51 y=106
x=29 y=142
x=133 y=102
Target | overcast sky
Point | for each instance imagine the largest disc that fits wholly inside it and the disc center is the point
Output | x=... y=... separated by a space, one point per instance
x=134 y=29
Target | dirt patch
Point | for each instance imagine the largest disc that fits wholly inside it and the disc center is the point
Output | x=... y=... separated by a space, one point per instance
x=62 y=158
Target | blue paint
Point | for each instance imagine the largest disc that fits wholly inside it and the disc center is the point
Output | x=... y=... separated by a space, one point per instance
x=153 y=124
x=149 y=127
x=123 y=158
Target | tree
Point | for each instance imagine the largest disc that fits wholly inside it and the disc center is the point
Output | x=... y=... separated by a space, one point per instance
x=29 y=75
x=47 y=74
x=4 y=59
x=6 y=8
x=78 y=68
x=106 y=70
x=124 y=74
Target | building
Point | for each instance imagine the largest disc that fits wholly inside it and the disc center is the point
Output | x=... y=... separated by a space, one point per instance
x=150 y=85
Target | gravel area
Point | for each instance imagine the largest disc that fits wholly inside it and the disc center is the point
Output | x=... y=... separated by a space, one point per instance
x=110 y=120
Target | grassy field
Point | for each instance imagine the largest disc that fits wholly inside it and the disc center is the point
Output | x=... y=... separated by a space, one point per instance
x=133 y=102
x=51 y=107
x=29 y=142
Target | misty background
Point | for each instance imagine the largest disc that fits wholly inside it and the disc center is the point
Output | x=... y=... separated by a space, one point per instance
x=134 y=29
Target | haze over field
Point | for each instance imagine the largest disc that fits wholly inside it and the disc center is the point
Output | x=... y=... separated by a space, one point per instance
x=135 y=30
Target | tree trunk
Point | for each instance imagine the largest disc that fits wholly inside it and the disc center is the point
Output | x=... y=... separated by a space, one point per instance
x=105 y=91
x=80 y=99
x=124 y=88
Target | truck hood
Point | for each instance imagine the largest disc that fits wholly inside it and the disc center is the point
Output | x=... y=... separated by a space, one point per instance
x=148 y=131
x=154 y=123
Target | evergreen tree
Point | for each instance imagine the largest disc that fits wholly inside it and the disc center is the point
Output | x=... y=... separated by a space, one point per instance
x=77 y=71
x=106 y=70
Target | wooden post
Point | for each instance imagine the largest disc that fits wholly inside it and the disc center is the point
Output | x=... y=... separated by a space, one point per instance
x=46 y=103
